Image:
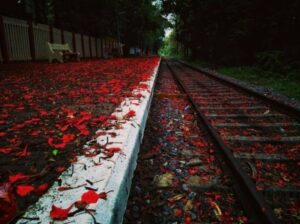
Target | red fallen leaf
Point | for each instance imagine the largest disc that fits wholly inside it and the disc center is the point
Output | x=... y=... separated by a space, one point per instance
x=111 y=151
x=60 y=169
x=90 y=197
x=100 y=133
x=82 y=120
x=65 y=139
x=130 y=114
x=139 y=95
x=114 y=149
x=27 y=96
x=193 y=170
x=17 y=127
x=114 y=100
x=188 y=219
x=83 y=130
x=69 y=112
x=144 y=77
x=2 y=134
x=103 y=90
x=112 y=117
x=6 y=150
x=68 y=137
x=52 y=144
x=24 y=153
x=44 y=113
x=188 y=117
x=101 y=118
x=142 y=86
x=86 y=100
x=16 y=177
x=171 y=138
x=199 y=143
x=86 y=115
x=57 y=213
x=178 y=212
x=62 y=127
x=8 y=206
x=259 y=188
x=24 y=190
x=32 y=121
x=8 y=105
x=14 y=140
x=42 y=188
x=34 y=133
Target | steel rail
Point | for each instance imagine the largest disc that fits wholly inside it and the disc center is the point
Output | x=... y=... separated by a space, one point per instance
x=281 y=106
x=253 y=201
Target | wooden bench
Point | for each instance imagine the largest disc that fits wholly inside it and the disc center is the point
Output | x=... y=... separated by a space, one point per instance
x=61 y=52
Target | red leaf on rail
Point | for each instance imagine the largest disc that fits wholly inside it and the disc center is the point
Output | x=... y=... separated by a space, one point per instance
x=24 y=190
x=60 y=213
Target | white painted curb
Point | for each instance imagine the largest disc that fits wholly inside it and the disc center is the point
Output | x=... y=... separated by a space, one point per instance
x=115 y=174
x=112 y=210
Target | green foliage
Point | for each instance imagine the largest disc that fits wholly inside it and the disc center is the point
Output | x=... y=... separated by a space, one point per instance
x=287 y=85
x=171 y=47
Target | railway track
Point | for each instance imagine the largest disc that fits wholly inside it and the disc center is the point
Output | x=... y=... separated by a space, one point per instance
x=258 y=138
x=179 y=177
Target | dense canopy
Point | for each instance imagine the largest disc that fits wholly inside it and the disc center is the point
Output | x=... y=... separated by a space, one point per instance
x=135 y=22
x=235 y=32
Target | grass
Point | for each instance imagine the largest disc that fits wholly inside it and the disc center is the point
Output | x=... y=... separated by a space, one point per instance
x=288 y=84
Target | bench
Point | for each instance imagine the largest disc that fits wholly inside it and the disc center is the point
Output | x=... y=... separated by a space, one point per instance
x=61 y=52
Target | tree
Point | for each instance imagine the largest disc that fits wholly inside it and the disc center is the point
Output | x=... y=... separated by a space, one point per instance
x=235 y=32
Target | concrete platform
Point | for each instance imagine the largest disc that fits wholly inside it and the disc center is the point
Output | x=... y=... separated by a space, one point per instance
x=112 y=175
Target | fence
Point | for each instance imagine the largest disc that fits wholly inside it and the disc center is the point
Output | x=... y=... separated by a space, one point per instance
x=24 y=41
